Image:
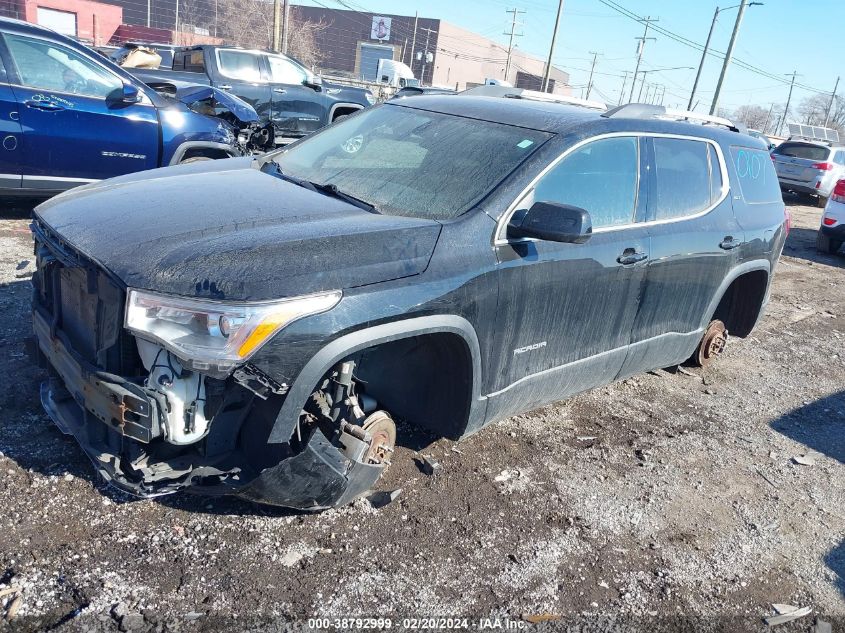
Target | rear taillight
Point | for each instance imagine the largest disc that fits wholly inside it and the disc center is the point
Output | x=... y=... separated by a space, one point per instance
x=838 y=194
x=787 y=219
x=822 y=166
x=828 y=221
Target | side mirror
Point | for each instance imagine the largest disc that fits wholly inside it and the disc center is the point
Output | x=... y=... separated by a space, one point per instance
x=130 y=94
x=552 y=222
x=314 y=82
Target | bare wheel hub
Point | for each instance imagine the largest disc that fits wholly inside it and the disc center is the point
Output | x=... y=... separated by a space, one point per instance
x=382 y=430
x=712 y=343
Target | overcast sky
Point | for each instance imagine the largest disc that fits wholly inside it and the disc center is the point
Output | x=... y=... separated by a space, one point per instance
x=777 y=38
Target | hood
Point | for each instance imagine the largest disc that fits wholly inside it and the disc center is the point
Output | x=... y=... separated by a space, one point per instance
x=242 y=112
x=224 y=230
x=353 y=94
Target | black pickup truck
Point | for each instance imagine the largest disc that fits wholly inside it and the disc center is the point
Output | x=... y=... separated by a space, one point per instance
x=444 y=260
x=279 y=88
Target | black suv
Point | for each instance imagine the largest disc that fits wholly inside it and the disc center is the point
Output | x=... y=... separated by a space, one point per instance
x=445 y=260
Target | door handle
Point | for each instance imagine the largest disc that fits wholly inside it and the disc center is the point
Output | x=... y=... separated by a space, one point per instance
x=630 y=256
x=729 y=243
x=49 y=106
x=280 y=91
x=225 y=87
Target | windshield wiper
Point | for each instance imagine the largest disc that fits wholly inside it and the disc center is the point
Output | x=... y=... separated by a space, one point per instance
x=329 y=189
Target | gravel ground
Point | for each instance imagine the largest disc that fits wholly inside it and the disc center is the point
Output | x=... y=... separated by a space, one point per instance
x=668 y=501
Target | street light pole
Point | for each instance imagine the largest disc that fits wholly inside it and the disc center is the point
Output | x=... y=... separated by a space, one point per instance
x=703 y=57
x=728 y=55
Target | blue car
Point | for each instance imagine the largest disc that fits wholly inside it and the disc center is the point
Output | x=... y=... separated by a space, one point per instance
x=68 y=116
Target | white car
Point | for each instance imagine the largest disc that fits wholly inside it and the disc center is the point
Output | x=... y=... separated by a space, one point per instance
x=832 y=229
x=809 y=167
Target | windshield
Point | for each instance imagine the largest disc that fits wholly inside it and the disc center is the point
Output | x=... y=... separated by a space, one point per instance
x=410 y=162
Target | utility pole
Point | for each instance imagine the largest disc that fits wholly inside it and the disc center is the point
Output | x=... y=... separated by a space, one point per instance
x=647 y=20
x=727 y=62
x=428 y=33
x=768 y=116
x=830 y=105
x=703 y=57
x=513 y=34
x=285 y=23
x=277 y=25
x=414 y=40
x=590 y=80
x=788 y=101
x=622 y=91
x=545 y=85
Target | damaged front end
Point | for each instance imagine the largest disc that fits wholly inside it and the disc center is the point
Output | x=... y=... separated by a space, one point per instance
x=252 y=136
x=160 y=394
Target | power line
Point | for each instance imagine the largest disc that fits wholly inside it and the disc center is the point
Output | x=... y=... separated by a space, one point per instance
x=713 y=53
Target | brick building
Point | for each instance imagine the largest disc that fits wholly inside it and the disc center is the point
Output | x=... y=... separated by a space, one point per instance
x=352 y=42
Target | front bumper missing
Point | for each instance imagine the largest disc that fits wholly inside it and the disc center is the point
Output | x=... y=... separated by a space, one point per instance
x=120 y=404
x=116 y=428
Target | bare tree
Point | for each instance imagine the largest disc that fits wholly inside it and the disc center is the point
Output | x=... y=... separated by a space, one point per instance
x=249 y=23
x=193 y=17
x=303 y=39
x=811 y=111
x=753 y=116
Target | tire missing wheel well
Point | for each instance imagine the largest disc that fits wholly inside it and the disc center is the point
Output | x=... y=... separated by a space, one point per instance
x=741 y=304
x=425 y=380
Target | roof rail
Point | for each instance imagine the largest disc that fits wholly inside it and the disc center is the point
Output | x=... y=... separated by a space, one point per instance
x=651 y=111
x=509 y=92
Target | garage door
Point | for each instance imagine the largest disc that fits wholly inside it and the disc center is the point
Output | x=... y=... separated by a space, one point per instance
x=63 y=22
x=370 y=56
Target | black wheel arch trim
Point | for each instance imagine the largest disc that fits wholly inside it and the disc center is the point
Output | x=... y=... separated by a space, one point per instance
x=342 y=347
x=735 y=273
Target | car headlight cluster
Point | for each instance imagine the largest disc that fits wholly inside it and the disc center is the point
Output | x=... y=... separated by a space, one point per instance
x=370 y=98
x=216 y=335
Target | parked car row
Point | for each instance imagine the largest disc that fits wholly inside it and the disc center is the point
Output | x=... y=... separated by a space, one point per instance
x=282 y=91
x=68 y=116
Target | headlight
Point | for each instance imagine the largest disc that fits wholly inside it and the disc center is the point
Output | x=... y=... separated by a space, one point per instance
x=213 y=334
x=370 y=98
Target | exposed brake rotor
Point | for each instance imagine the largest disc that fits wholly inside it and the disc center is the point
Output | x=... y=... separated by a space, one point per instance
x=712 y=343
x=379 y=425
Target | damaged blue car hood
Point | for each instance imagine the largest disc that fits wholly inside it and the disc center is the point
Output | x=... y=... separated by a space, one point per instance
x=224 y=230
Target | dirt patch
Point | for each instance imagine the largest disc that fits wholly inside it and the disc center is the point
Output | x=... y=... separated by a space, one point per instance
x=667 y=500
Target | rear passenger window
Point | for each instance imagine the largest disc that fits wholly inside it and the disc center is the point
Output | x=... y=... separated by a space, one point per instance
x=682 y=171
x=239 y=65
x=757 y=177
x=601 y=177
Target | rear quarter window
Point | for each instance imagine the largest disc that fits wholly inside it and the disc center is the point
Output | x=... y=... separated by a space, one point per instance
x=758 y=180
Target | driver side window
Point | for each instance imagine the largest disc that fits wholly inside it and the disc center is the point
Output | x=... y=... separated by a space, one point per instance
x=43 y=65
x=601 y=177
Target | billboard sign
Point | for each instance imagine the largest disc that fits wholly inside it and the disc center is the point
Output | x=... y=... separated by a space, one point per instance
x=381 y=28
